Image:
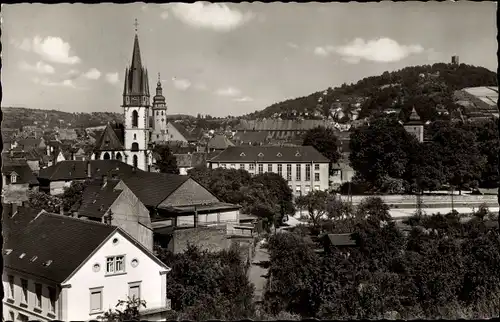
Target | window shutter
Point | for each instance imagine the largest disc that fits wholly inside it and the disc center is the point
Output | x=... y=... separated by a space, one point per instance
x=95 y=301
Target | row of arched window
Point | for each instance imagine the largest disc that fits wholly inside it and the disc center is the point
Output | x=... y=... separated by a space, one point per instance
x=118 y=157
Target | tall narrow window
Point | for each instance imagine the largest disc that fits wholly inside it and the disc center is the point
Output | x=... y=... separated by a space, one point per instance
x=251 y=167
x=135 y=136
x=134 y=291
x=308 y=172
x=270 y=167
x=24 y=284
x=298 y=172
x=106 y=156
x=95 y=300
x=52 y=298
x=135 y=161
x=11 y=286
x=118 y=156
x=38 y=291
x=261 y=168
x=289 y=172
x=135 y=146
x=280 y=169
x=135 y=119
x=316 y=167
x=316 y=177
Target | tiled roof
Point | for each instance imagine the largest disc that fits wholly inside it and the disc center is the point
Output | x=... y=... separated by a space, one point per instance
x=282 y=125
x=219 y=142
x=112 y=139
x=22 y=169
x=29 y=142
x=44 y=238
x=77 y=170
x=152 y=187
x=240 y=154
x=183 y=131
x=97 y=199
x=251 y=137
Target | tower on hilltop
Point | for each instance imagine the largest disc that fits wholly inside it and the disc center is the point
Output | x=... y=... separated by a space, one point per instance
x=160 y=132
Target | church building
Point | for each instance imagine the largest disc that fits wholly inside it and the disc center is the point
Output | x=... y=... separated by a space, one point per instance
x=132 y=142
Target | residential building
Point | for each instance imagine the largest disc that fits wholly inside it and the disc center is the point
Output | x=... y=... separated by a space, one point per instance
x=304 y=168
x=187 y=161
x=251 y=138
x=31 y=143
x=17 y=179
x=219 y=142
x=178 y=133
x=63 y=268
x=55 y=178
x=103 y=201
x=342 y=172
x=415 y=126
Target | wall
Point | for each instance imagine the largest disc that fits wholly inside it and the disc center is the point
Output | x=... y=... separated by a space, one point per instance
x=189 y=193
x=115 y=287
x=209 y=238
x=34 y=165
x=225 y=216
x=57 y=187
x=129 y=213
x=13 y=303
x=398 y=199
x=15 y=191
x=174 y=135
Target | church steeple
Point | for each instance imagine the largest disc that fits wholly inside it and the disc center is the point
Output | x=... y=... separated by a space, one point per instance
x=136 y=87
x=158 y=99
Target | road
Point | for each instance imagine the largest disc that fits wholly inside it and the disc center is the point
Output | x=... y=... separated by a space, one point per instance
x=258 y=271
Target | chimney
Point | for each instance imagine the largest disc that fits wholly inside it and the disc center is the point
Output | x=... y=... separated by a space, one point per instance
x=14 y=209
x=104 y=180
x=89 y=174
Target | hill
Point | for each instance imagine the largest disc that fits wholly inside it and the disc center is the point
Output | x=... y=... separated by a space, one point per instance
x=17 y=117
x=429 y=88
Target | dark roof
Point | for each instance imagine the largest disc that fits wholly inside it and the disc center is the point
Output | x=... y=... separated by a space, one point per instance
x=282 y=125
x=270 y=154
x=152 y=187
x=184 y=132
x=77 y=170
x=97 y=198
x=112 y=139
x=251 y=137
x=341 y=240
x=44 y=237
x=219 y=142
x=22 y=170
x=29 y=142
x=414 y=118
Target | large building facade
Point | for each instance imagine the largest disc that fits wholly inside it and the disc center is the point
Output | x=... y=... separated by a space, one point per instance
x=132 y=141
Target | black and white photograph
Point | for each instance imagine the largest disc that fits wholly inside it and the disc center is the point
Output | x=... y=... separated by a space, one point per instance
x=250 y=161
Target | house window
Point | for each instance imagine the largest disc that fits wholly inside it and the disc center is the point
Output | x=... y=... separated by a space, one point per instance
x=316 y=177
x=298 y=189
x=280 y=169
x=11 y=286
x=251 y=167
x=95 y=300
x=135 y=161
x=135 y=136
x=298 y=172
x=316 y=187
x=38 y=291
x=13 y=178
x=157 y=136
x=52 y=297
x=24 y=284
x=22 y=317
x=134 y=291
x=308 y=172
x=316 y=167
x=135 y=146
x=261 y=168
x=115 y=264
x=308 y=189
x=289 y=172
x=269 y=167
x=242 y=166
x=233 y=166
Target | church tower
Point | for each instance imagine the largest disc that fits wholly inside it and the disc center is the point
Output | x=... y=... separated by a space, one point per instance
x=159 y=115
x=136 y=107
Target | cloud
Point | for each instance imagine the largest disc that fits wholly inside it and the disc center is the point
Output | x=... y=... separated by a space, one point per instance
x=216 y=16
x=229 y=91
x=45 y=82
x=53 y=49
x=321 y=51
x=112 y=78
x=164 y=15
x=292 y=45
x=181 y=84
x=244 y=99
x=23 y=45
x=380 y=50
x=93 y=74
x=39 y=67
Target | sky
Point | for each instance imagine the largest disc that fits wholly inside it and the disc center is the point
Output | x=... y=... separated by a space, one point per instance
x=228 y=59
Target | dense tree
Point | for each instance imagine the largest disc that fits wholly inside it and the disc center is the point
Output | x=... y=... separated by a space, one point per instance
x=129 y=313
x=316 y=204
x=209 y=285
x=489 y=146
x=380 y=151
x=325 y=141
x=72 y=195
x=425 y=170
x=42 y=201
x=165 y=160
x=277 y=190
x=460 y=155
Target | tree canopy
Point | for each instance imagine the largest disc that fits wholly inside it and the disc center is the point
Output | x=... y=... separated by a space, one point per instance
x=325 y=141
x=165 y=160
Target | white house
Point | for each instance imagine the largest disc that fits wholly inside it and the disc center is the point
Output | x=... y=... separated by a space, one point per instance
x=63 y=268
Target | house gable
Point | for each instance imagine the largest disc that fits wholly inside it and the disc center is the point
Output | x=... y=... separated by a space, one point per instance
x=174 y=134
x=189 y=193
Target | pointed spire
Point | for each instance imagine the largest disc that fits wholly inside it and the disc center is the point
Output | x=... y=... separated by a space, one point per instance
x=159 y=83
x=414 y=115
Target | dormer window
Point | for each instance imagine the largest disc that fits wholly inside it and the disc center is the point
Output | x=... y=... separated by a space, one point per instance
x=242 y=154
x=13 y=178
x=261 y=154
x=297 y=154
x=279 y=155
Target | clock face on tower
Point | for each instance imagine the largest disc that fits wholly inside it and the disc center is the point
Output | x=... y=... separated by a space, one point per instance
x=135 y=100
